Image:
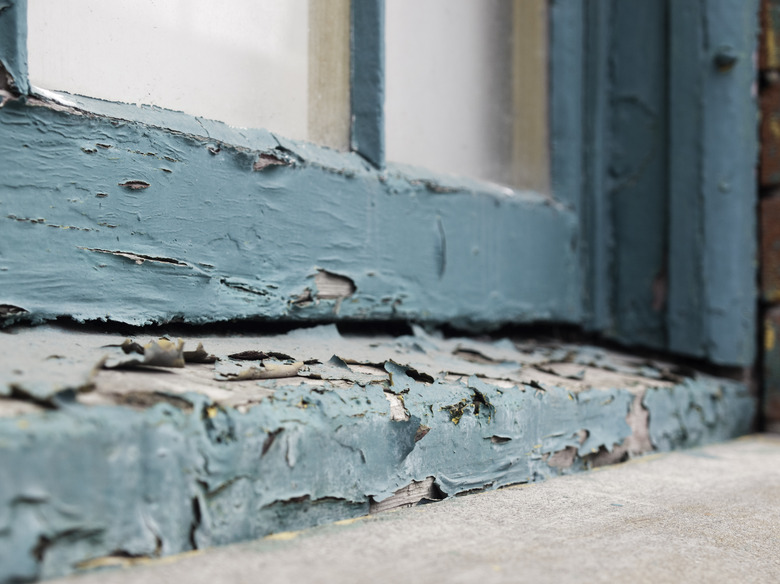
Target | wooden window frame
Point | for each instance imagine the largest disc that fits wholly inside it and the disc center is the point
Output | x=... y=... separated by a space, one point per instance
x=148 y=216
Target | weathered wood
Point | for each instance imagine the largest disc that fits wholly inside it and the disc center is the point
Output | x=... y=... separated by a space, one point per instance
x=217 y=236
x=636 y=170
x=713 y=191
x=13 y=46
x=595 y=210
x=149 y=462
x=567 y=38
x=367 y=80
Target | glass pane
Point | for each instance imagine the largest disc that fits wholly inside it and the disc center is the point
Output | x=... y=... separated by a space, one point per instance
x=245 y=62
x=451 y=105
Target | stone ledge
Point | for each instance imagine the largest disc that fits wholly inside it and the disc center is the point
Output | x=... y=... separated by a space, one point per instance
x=107 y=455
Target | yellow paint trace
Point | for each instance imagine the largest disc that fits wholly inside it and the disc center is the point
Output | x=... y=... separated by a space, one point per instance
x=769 y=338
x=283 y=536
x=771 y=48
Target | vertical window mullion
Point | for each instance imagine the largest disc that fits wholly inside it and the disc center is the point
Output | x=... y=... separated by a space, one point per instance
x=367 y=87
x=13 y=47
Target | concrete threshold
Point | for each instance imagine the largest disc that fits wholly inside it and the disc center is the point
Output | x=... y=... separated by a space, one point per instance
x=710 y=514
x=117 y=451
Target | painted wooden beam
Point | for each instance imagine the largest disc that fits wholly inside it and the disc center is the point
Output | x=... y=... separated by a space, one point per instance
x=598 y=237
x=105 y=218
x=635 y=175
x=144 y=465
x=713 y=192
x=13 y=46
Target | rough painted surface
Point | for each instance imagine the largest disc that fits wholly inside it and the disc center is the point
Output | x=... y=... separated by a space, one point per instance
x=653 y=125
x=95 y=483
x=128 y=222
x=713 y=191
x=566 y=91
x=236 y=224
x=684 y=284
x=635 y=180
x=13 y=46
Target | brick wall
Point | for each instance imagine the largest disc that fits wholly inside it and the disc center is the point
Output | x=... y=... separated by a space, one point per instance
x=769 y=221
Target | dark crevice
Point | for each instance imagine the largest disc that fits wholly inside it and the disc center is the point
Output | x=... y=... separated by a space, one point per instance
x=138 y=258
x=434 y=495
x=242 y=287
x=260 y=356
x=45 y=542
x=18 y=393
x=177 y=326
x=419 y=376
x=146 y=399
x=481 y=403
x=269 y=440
x=368 y=328
x=6 y=79
x=196 y=519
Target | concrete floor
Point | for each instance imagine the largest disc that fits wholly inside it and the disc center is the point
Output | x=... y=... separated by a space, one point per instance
x=704 y=515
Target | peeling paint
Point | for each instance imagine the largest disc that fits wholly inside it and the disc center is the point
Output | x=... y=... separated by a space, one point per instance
x=135 y=185
x=126 y=466
x=219 y=212
x=333 y=286
x=265 y=160
x=137 y=258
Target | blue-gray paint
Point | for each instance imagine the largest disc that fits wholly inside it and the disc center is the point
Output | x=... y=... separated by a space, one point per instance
x=109 y=481
x=13 y=44
x=713 y=146
x=635 y=173
x=367 y=80
x=218 y=240
x=697 y=412
x=567 y=30
x=441 y=250
x=597 y=231
x=668 y=187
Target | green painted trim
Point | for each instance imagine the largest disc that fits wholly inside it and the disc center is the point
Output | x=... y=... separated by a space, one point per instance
x=13 y=44
x=367 y=82
x=713 y=191
x=97 y=483
x=240 y=230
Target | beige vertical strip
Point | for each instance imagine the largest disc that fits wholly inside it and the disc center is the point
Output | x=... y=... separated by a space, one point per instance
x=530 y=137
x=329 y=113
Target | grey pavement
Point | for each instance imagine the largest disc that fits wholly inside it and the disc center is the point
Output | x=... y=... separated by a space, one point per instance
x=705 y=515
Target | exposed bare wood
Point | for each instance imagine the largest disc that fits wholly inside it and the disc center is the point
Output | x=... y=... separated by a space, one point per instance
x=329 y=115
x=530 y=137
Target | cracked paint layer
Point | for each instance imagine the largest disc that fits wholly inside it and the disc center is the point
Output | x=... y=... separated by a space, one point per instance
x=219 y=231
x=113 y=465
